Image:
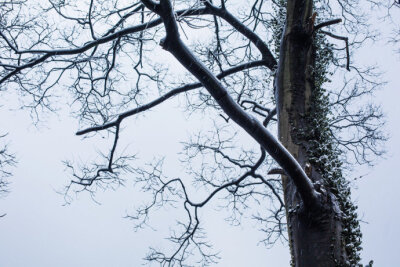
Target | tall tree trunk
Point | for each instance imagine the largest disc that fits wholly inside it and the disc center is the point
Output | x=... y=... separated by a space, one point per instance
x=315 y=232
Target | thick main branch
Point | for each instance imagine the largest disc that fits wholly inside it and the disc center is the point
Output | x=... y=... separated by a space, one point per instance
x=175 y=46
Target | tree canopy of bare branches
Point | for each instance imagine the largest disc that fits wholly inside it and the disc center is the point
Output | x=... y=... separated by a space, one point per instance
x=113 y=60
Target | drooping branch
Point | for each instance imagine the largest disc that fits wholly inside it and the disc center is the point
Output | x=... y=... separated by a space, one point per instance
x=240 y=27
x=102 y=172
x=326 y=23
x=259 y=109
x=112 y=35
x=168 y=95
x=346 y=40
x=7 y=161
x=175 y=191
x=269 y=117
x=175 y=46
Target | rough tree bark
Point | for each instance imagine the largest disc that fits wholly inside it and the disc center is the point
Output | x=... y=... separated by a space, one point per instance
x=314 y=231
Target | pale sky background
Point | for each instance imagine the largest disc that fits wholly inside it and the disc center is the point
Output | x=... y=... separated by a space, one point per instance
x=39 y=231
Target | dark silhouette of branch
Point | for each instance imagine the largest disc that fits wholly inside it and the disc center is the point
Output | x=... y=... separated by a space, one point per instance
x=173 y=44
x=346 y=40
x=7 y=162
x=107 y=61
x=168 y=95
x=326 y=23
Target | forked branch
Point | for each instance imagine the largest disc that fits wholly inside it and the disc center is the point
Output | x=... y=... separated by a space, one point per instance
x=175 y=46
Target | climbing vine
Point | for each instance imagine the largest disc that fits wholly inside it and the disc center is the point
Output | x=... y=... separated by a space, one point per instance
x=321 y=147
x=324 y=154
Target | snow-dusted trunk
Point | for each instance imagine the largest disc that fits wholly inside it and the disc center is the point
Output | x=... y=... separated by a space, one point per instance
x=314 y=231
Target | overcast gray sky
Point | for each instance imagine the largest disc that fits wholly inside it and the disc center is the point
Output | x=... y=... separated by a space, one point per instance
x=39 y=231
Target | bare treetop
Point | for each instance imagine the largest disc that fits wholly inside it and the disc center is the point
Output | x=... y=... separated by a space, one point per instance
x=112 y=60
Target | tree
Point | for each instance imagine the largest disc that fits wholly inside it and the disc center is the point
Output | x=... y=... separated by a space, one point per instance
x=7 y=160
x=90 y=49
x=391 y=13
